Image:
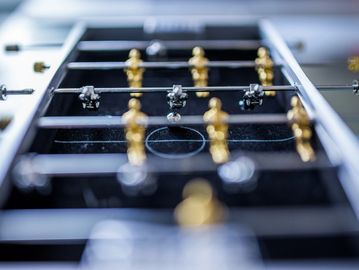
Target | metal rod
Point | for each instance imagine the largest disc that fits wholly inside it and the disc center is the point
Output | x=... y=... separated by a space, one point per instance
x=126 y=45
x=202 y=89
x=282 y=221
x=4 y=92
x=26 y=91
x=68 y=165
x=68 y=122
x=167 y=89
x=148 y=65
x=34 y=46
x=179 y=65
x=119 y=45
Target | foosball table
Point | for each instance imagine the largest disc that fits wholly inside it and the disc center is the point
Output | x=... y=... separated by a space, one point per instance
x=178 y=146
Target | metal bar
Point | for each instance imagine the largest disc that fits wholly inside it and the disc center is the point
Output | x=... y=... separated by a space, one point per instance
x=200 y=89
x=27 y=91
x=47 y=225
x=169 y=65
x=34 y=46
x=119 y=45
x=4 y=92
x=180 y=64
x=342 y=145
x=126 y=45
x=68 y=122
x=73 y=165
x=167 y=89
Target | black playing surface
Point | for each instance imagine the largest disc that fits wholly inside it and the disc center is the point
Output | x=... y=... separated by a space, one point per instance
x=165 y=141
x=251 y=137
x=273 y=188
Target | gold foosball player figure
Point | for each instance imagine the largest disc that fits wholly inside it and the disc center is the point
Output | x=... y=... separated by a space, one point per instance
x=217 y=130
x=300 y=124
x=199 y=207
x=199 y=70
x=264 y=67
x=134 y=72
x=135 y=132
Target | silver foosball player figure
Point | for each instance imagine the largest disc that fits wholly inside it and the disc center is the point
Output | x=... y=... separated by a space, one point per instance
x=135 y=132
x=89 y=98
x=198 y=63
x=134 y=72
x=177 y=100
x=217 y=130
x=252 y=98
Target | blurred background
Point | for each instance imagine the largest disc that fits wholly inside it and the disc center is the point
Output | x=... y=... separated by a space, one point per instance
x=327 y=29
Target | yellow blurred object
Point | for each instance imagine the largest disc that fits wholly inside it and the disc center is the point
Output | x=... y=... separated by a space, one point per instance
x=199 y=206
x=264 y=67
x=217 y=130
x=353 y=64
x=300 y=124
x=40 y=67
x=135 y=132
x=134 y=72
x=5 y=120
x=199 y=70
